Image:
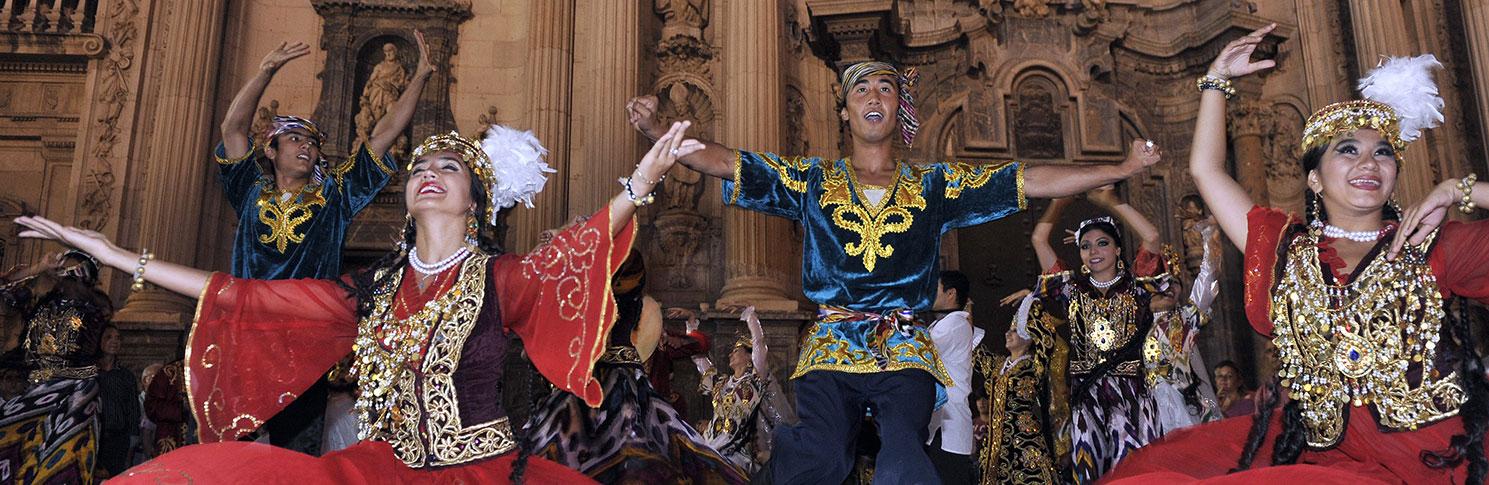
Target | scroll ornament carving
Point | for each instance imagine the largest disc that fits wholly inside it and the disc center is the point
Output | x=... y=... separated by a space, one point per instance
x=114 y=93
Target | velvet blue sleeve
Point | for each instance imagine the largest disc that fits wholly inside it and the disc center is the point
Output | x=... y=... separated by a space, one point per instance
x=237 y=176
x=769 y=183
x=361 y=177
x=973 y=194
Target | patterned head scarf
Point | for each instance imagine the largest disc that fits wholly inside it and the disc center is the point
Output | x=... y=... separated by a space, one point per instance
x=283 y=124
x=909 y=119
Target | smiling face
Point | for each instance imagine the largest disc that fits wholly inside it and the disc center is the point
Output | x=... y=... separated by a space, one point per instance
x=439 y=183
x=1357 y=173
x=1099 y=251
x=870 y=107
x=1014 y=342
x=294 y=153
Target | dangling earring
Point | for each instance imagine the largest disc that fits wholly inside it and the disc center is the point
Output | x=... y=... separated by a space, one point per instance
x=1396 y=207
x=1121 y=266
x=1085 y=270
x=408 y=225
x=472 y=230
x=1315 y=211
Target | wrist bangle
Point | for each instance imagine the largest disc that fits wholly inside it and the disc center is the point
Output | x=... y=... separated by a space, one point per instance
x=139 y=270
x=1466 y=205
x=637 y=173
x=1216 y=83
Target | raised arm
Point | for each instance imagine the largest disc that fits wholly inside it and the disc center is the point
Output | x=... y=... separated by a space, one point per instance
x=177 y=278
x=1049 y=181
x=711 y=159
x=701 y=360
x=239 y=117
x=663 y=154
x=757 y=341
x=1106 y=198
x=1040 y=236
x=397 y=119
x=1226 y=199
x=1205 y=285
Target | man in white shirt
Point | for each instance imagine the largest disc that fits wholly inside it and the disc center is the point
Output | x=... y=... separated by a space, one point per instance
x=952 y=445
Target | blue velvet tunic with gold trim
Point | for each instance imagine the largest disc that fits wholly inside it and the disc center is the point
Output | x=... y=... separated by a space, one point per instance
x=870 y=265
x=299 y=236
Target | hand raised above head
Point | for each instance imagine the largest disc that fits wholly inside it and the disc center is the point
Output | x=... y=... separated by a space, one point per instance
x=426 y=63
x=283 y=54
x=1141 y=155
x=641 y=111
x=1235 y=59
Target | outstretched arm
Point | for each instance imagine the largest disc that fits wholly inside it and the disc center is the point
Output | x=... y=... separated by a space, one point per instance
x=712 y=159
x=757 y=340
x=177 y=278
x=1040 y=236
x=663 y=154
x=1226 y=199
x=1205 y=285
x=397 y=119
x=1106 y=198
x=239 y=117
x=1049 y=181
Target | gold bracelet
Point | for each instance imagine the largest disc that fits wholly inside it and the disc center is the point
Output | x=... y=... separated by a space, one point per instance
x=139 y=270
x=1466 y=205
x=636 y=200
x=1218 y=84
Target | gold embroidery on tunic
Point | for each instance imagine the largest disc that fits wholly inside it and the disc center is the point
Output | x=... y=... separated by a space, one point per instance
x=1101 y=325
x=871 y=222
x=790 y=170
x=284 y=217
x=961 y=176
x=1360 y=343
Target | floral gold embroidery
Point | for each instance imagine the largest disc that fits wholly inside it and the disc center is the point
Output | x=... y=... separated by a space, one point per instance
x=284 y=217
x=890 y=216
x=790 y=170
x=961 y=176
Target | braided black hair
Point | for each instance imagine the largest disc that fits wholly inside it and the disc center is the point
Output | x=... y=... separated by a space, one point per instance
x=1261 y=420
x=1475 y=411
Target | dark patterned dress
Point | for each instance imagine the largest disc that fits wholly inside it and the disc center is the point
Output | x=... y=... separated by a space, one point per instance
x=1019 y=446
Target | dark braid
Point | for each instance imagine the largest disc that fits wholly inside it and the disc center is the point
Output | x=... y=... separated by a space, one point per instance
x=1261 y=420
x=538 y=391
x=1475 y=411
x=1292 y=439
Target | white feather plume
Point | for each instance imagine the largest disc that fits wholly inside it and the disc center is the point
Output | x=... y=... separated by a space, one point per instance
x=1406 y=85
x=517 y=161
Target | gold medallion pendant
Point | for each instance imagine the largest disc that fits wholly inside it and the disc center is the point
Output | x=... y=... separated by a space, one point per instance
x=1102 y=334
x=1352 y=355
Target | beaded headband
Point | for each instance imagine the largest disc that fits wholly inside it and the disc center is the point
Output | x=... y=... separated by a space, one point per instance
x=1400 y=100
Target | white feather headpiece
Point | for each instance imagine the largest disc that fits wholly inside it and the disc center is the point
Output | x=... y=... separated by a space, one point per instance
x=518 y=165
x=1400 y=101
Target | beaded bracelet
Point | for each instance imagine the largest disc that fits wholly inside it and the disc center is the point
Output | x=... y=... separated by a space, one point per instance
x=139 y=270
x=1218 y=84
x=1466 y=205
x=638 y=201
x=637 y=174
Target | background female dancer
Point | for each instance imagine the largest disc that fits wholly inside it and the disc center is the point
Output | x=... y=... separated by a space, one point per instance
x=430 y=337
x=1019 y=445
x=1106 y=306
x=1381 y=382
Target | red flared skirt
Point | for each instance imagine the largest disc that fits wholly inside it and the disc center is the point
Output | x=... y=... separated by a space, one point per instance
x=367 y=462
x=1367 y=455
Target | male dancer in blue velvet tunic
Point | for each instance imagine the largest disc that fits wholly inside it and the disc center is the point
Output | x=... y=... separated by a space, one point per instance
x=873 y=224
x=293 y=209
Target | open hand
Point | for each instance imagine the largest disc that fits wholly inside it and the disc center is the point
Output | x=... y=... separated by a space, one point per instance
x=1104 y=196
x=84 y=240
x=1426 y=216
x=1014 y=298
x=1235 y=59
x=665 y=152
x=282 y=55
x=426 y=64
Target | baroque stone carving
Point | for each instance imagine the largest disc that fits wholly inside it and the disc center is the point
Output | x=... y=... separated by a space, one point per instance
x=113 y=94
x=1038 y=128
x=386 y=82
x=685 y=18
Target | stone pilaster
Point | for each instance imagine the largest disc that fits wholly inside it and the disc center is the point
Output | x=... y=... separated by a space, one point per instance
x=549 y=84
x=604 y=146
x=1318 y=31
x=1476 y=31
x=1245 y=123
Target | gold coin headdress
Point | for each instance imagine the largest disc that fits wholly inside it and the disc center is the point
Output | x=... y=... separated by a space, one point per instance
x=508 y=162
x=1400 y=100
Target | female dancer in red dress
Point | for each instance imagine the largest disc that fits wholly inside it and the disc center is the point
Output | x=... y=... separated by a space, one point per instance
x=1381 y=382
x=430 y=328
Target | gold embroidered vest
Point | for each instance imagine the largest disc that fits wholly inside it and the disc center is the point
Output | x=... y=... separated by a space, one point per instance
x=1375 y=341
x=410 y=401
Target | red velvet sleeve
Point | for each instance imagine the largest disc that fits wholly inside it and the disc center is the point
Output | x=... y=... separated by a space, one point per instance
x=1147 y=263
x=1265 y=228
x=558 y=300
x=1461 y=260
x=255 y=345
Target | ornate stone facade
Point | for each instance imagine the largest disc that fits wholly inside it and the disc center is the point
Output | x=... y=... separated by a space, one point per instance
x=109 y=107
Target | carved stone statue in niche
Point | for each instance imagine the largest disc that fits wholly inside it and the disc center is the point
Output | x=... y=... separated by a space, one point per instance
x=384 y=85
x=680 y=235
x=796 y=113
x=262 y=119
x=683 y=101
x=1037 y=127
x=1196 y=221
x=683 y=17
x=1284 y=171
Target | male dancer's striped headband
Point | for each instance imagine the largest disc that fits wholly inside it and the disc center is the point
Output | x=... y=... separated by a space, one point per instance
x=909 y=119
x=283 y=124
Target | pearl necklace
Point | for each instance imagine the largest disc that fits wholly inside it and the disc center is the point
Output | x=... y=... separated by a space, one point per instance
x=1336 y=232
x=1106 y=284
x=438 y=267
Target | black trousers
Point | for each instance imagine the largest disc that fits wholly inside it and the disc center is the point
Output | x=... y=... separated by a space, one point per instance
x=954 y=469
x=819 y=449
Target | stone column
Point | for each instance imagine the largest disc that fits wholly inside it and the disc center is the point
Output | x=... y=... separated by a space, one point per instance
x=604 y=146
x=1381 y=30
x=1328 y=78
x=1246 y=122
x=181 y=133
x=549 y=84
x=1476 y=31
x=752 y=120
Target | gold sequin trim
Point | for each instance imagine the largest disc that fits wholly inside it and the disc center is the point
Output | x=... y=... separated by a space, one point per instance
x=252 y=149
